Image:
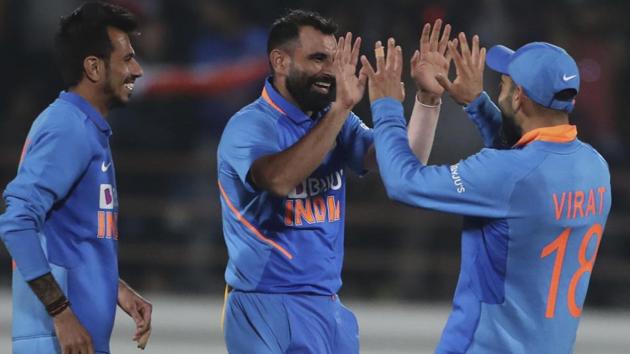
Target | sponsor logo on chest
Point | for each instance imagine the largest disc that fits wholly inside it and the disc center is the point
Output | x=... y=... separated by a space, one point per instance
x=107 y=215
x=311 y=201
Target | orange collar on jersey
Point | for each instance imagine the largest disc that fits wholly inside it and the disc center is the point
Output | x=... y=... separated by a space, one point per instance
x=282 y=105
x=557 y=134
x=265 y=96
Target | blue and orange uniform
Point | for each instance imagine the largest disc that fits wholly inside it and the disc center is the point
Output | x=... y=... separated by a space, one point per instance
x=286 y=254
x=61 y=217
x=534 y=216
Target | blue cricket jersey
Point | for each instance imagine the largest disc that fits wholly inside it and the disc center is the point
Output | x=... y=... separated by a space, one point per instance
x=292 y=244
x=61 y=216
x=534 y=217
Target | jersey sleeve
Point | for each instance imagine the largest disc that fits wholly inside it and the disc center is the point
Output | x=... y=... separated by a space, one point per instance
x=247 y=137
x=356 y=138
x=477 y=186
x=53 y=161
x=487 y=117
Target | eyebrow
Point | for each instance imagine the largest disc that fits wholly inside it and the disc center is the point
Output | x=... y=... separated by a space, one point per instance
x=317 y=55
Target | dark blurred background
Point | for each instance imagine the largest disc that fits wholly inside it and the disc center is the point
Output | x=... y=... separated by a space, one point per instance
x=203 y=60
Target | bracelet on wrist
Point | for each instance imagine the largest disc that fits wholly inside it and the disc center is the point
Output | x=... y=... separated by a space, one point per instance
x=57 y=306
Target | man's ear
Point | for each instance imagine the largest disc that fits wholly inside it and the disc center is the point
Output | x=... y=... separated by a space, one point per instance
x=518 y=98
x=280 y=61
x=94 y=68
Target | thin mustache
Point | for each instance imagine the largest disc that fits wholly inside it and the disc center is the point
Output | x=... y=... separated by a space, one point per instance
x=325 y=78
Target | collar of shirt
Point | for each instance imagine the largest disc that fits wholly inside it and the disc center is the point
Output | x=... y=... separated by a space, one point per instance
x=87 y=108
x=279 y=103
x=557 y=134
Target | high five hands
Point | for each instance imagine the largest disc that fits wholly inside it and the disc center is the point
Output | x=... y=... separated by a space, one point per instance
x=385 y=80
x=429 y=67
x=350 y=87
x=469 y=65
x=431 y=60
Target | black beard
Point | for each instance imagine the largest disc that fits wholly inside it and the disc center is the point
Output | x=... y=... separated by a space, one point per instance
x=510 y=133
x=113 y=101
x=300 y=87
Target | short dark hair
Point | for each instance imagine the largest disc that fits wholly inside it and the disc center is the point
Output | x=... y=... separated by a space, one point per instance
x=84 y=33
x=287 y=28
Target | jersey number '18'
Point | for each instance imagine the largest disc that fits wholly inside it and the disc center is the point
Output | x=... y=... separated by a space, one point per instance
x=586 y=265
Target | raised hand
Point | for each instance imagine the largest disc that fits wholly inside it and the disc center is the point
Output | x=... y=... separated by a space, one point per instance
x=385 y=81
x=350 y=87
x=431 y=60
x=469 y=65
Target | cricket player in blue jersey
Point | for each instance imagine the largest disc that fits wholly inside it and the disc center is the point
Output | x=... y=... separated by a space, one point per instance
x=60 y=224
x=282 y=166
x=534 y=212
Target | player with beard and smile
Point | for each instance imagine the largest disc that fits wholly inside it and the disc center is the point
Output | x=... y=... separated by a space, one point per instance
x=282 y=166
x=121 y=72
x=311 y=93
x=309 y=82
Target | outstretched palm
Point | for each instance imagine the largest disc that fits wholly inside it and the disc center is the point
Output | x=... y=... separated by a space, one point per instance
x=430 y=60
x=350 y=87
x=469 y=65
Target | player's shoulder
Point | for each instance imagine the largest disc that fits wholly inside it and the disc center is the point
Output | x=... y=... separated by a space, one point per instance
x=255 y=114
x=507 y=162
x=62 y=117
x=253 y=123
x=501 y=156
x=594 y=154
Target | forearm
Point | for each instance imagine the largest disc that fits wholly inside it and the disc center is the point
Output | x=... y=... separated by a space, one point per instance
x=19 y=234
x=123 y=287
x=49 y=293
x=395 y=158
x=280 y=173
x=422 y=125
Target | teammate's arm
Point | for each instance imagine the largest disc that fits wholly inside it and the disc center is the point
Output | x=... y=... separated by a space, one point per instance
x=279 y=173
x=430 y=59
x=470 y=188
x=475 y=186
x=427 y=62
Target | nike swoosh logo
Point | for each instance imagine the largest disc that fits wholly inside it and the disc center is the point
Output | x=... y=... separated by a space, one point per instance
x=567 y=78
x=105 y=167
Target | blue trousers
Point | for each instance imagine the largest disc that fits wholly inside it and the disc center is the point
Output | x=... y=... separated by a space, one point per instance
x=258 y=323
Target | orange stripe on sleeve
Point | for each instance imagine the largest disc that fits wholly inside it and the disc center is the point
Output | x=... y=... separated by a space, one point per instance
x=251 y=227
x=24 y=148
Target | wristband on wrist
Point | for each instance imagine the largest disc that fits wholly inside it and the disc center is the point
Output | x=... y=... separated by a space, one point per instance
x=428 y=105
x=57 y=306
